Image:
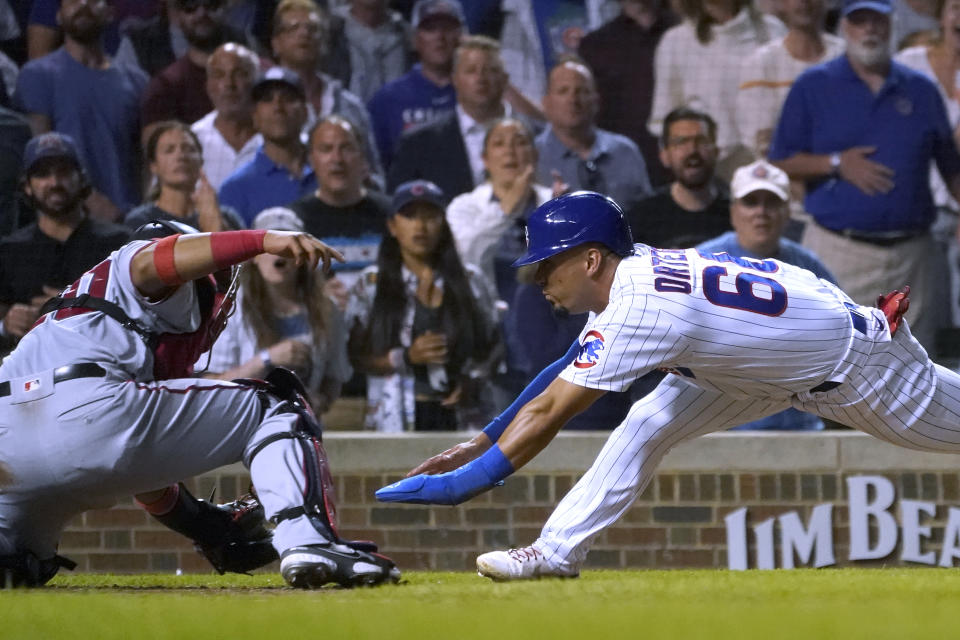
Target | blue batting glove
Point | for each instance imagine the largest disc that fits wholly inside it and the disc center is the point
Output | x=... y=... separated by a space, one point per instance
x=422 y=489
x=454 y=486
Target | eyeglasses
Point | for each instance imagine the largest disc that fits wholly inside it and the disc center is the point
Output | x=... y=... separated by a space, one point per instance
x=189 y=6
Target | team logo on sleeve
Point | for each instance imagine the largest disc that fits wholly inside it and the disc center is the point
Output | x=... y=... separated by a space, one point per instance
x=590 y=349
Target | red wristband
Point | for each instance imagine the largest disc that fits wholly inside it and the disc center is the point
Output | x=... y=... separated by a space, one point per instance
x=233 y=247
x=164 y=262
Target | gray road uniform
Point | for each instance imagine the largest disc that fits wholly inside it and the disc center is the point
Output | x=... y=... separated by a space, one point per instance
x=83 y=443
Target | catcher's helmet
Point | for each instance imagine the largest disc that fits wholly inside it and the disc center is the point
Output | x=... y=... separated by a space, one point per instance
x=161 y=229
x=574 y=219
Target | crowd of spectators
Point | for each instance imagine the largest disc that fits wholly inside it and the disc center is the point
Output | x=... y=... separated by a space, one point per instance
x=416 y=137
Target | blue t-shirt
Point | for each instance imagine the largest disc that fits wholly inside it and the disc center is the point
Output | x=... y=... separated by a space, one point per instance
x=126 y=14
x=100 y=108
x=261 y=184
x=795 y=254
x=830 y=109
x=400 y=104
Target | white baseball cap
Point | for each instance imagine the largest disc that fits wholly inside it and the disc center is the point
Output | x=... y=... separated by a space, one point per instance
x=277 y=219
x=760 y=176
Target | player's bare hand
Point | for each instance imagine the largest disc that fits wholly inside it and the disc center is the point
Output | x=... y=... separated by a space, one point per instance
x=207 y=206
x=428 y=348
x=291 y=354
x=303 y=248
x=454 y=457
x=19 y=319
x=870 y=177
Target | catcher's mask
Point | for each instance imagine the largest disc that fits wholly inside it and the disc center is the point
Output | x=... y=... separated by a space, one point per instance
x=216 y=293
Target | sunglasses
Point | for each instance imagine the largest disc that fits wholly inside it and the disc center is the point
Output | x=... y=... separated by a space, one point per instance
x=189 y=6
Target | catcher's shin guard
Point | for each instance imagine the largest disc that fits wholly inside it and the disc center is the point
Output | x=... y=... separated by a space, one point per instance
x=319 y=501
x=345 y=562
x=233 y=537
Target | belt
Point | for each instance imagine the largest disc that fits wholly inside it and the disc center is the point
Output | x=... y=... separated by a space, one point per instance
x=860 y=324
x=62 y=374
x=876 y=239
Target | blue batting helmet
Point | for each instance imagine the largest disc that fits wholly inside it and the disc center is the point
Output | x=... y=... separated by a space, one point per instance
x=574 y=219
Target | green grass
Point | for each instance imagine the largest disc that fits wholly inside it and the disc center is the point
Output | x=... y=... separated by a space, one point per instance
x=805 y=604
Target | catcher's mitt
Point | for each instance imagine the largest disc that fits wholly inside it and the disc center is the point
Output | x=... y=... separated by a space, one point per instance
x=246 y=541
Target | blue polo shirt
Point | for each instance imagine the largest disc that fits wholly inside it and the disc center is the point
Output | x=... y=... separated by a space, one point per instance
x=614 y=167
x=829 y=108
x=409 y=100
x=261 y=183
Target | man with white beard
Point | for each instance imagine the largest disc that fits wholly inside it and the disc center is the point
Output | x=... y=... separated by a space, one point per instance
x=861 y=130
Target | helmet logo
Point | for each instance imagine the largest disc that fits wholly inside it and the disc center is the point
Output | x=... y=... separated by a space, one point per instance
x=760 y=171
x=590 y=349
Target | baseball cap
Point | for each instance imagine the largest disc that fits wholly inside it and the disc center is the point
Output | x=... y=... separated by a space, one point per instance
x=760 y=176
x=278 y=219
x=425 y=9
x=50 y=145
x=880 y=6
x=417 y=191
x=274 y=76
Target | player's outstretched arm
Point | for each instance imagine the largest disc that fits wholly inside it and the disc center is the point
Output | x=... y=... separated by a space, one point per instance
x=534 y=427
x=464 y=452
x=174 y=260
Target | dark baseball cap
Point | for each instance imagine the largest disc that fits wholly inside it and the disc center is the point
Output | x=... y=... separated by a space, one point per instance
x=426 y=9
x=50 y=145
x=417 y=191
x=880 y=6
x=276 y=76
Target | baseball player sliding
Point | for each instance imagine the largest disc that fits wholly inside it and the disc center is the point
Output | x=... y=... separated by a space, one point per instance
x=98 y=402
x=741 y=338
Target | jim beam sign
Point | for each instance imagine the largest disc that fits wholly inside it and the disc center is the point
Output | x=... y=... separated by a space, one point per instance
x=813 y=543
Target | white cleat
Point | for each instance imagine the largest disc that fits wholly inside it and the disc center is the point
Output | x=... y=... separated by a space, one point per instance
x=526 y=563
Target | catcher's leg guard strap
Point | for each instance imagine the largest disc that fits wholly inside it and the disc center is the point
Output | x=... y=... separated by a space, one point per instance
x=285 y=435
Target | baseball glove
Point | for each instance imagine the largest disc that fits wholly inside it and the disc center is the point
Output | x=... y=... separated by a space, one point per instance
x=246 y=541
x=894 y=305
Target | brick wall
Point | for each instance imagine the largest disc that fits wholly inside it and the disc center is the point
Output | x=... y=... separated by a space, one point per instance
x=677 y=522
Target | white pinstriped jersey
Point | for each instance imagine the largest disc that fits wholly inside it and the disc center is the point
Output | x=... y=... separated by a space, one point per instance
x=754 y=328
x=746 y=339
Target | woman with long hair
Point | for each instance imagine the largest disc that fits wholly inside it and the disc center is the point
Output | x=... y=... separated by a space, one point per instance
x=283 y=319
x=180 y=190
x=488 y=223
x=420 y=320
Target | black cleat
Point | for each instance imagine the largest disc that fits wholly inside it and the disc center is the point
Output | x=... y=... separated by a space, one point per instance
x=312 y=566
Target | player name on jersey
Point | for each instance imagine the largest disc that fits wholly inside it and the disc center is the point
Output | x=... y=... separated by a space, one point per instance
x=814 y=542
